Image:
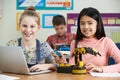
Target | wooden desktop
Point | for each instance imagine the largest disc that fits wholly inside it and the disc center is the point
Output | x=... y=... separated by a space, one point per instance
x=60 y=76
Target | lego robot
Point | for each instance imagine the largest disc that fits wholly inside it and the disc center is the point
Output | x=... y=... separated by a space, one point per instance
x=78 y=68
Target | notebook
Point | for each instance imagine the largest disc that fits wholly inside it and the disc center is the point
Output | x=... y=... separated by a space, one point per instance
x=12 y=59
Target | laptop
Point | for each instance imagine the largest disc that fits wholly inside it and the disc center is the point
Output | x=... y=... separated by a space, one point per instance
x=12 y=59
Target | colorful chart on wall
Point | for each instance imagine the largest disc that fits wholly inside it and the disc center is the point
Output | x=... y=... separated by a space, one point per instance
x=47 y=20
x=72 y=22
x=46 y=4
x=111 y=19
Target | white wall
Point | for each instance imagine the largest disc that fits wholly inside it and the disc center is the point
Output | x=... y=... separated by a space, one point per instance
x=8 y=20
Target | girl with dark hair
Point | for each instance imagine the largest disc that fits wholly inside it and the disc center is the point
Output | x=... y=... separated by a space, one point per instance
x=90 y=33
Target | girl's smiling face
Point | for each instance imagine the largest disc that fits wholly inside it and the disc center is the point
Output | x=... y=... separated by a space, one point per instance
x=29 y=27
x=88 y=26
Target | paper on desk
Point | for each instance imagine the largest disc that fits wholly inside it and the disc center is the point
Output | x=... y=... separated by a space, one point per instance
x=105 y=74
x=5 y=77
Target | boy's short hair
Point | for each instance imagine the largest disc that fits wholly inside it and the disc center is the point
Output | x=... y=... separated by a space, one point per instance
x=58 y=20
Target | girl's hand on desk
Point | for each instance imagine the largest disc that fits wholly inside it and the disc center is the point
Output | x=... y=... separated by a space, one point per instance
x=39 y=67
x=93 y=68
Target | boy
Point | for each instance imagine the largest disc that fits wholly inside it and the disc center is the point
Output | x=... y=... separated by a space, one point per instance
x=61 y=36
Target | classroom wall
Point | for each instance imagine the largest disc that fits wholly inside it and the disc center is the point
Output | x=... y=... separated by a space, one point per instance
x=8 y=21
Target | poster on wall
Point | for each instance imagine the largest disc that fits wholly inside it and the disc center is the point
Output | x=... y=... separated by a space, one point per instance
x=18 y=14
x=111 y=19
x=72 y=22
x=46 y=4
x=47 y=20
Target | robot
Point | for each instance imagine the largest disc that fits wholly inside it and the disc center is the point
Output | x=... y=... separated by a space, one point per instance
x=79 y=67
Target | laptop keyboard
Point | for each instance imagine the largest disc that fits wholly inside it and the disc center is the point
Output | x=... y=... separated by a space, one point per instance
x=40 y=72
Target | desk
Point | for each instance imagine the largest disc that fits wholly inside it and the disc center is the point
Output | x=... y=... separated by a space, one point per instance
x=60 y=76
